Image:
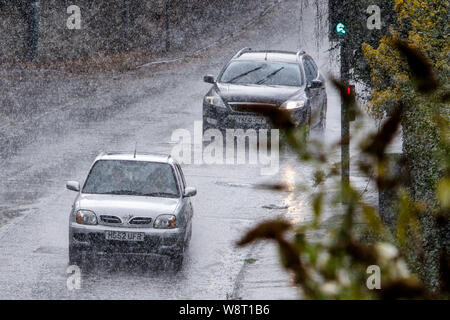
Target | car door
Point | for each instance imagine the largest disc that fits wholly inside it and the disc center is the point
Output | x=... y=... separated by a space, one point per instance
x=313 y=93
x=186 y=201
x=322 y=89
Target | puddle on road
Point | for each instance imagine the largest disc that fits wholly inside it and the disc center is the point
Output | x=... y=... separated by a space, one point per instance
x=50 y=250
x=234 y=185
x=7 y=214
x=275 y=206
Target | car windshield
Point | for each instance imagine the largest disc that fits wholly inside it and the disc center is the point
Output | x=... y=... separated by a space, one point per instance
x=137 y=178
x=262 y=73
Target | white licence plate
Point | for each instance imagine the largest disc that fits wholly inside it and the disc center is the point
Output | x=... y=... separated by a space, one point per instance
x=251 y=120
x=124 y=236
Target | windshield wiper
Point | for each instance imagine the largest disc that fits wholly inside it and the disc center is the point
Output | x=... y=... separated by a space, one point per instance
x=269 y=76
x=244 y=74
x=136 y=193
x=160 y=194
x=125 y=192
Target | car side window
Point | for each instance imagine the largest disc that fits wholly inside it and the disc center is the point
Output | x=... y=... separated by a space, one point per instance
x=310 y=69
x=181 y=176
x=315 y=69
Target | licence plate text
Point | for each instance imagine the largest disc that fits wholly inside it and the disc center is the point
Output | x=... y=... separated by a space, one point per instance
x=124 y=236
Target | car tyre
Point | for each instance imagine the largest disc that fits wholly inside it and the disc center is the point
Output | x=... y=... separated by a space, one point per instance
x=75 y=257
x=80 y=259
x=205 y=126
x=323 y=120
x=177 y=262
x=188 y=241
x=177 y=259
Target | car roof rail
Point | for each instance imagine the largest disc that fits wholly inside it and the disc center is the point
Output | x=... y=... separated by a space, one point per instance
x=241 y=52
x=299 y=54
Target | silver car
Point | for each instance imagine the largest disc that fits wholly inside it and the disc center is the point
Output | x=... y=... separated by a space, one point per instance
x=131 y=204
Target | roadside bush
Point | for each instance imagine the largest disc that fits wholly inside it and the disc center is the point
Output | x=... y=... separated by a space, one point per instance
x=412 y=255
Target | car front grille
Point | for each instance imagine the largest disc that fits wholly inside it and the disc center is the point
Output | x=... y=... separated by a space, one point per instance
x=250 y=107
x=151 y=244
x=140 y=221
x=110 y=219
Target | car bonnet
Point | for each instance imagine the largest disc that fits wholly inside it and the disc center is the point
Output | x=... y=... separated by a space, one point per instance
x=125 y=207
x=257 y=93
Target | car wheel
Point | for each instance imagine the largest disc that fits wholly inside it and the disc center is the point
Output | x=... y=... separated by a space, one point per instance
x=75 y=257
x=323 y=118
x=80 y=259
x=323 y=123
x=206 y=126
x=189 y=237
x=177 y=259
x=308 y=125
x=177 y=262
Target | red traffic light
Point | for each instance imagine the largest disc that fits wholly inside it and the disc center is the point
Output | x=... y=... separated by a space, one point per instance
x=350 y=90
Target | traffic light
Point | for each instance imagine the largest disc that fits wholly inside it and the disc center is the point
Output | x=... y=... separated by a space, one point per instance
x=340 y=29
x=359 y=21
x=350 y=90
x=351 y=98
x=338 y=18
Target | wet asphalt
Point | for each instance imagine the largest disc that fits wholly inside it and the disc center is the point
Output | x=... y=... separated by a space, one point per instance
x=83 y=115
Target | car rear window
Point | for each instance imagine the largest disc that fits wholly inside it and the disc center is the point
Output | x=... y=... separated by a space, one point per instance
x=262 y=73
x=139 y=178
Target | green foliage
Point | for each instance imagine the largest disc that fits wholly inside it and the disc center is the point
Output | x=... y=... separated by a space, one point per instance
x=353 y=14
x=422 y=24
x=400 y=73
x=336 y=268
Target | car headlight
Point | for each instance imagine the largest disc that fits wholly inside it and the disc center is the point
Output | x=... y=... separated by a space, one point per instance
x=293 y=104
x=86 y=217
x=215 y=100
x=165 y=221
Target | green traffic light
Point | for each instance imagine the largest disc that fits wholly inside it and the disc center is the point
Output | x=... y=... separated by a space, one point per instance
x=340 y=29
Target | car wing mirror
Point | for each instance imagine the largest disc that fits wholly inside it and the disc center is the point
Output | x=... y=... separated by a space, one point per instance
x=190 y=192
x=316 y=84
x=73 y=186
x=209 y=79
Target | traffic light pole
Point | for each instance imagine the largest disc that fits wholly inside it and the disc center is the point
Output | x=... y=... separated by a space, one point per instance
x=126 y=24
x=345 y=119
x=167 y=24
x=33 y=26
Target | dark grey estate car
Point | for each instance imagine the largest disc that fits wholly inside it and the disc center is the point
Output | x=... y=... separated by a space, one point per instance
x=131 y=204
x=261 y=79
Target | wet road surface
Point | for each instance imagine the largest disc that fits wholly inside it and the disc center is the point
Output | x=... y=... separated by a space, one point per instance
x=143 y=107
